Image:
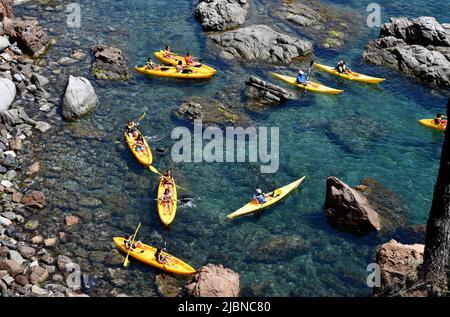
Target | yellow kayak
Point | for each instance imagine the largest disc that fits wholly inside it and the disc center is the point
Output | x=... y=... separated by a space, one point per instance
x=277 y=194
x=144 y=157
x=167 y=213
x=171 y=72
x=430 y=123
x=314 y=87
x=176 y=58
x=172 y=264
x=353 y=76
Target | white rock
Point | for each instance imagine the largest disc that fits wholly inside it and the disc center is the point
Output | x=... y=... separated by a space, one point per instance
x=42 y=126
x=6 y=183
x=4 y=221
x=7 y=93
x=79 y=98
x=4 y=43
x=45 y=107
x=16 y=257
x=36 y=290
x=12 y=153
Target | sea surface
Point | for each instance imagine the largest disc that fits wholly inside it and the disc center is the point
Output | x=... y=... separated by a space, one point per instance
x=368 y=131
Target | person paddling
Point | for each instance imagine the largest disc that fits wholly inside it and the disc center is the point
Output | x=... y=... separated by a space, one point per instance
x=342 y=68
x=131 y=129
x=159 y=256
x=152 y=65
x=260 y=197
x=136 y=244
x=302 y=78
x=167 y=53
x=440 y=120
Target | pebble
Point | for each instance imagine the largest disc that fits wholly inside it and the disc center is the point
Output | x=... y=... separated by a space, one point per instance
x=32 y=225
x=42 y=126
x=6 y=183
x=16 y=257
x=45 y=108
x=66 y=61
x=50 y=242
x=36 y=290
x=10 y=175
x=5 y=221
x=37 y=239
x=8 y=280
x=27 y=252
x=9 y=215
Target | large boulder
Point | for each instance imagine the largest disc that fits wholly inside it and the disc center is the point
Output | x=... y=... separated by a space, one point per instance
x=28 y=34
x=109 y=63
x=349 y=210
x=264 y=92
x=261 y=43
x=419 y=48
x=7 y=93
x=398 y=264
x=214 y=281
x=4 y=43
x=6 y=9
x=79 y=99
x=220 y=15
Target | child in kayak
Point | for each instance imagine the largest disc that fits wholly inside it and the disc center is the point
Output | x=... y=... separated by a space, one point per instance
x=167 y=53
x=167 y=179
x=152 y=65
x=162 y=259
x=190 y=60
x=302 y=78
x=341 y=68
x=139 y=143
x=131 y=129
x=182 y=68
x=166 y=200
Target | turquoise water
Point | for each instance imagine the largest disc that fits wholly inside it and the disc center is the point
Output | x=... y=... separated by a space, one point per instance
x=89 y=175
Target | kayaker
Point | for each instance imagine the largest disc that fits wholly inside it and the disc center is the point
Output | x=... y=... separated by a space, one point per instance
x=440 y=120
x=159 y=256
x=139 y=143
x=182 y=68
x=260 y=197
x=131 y=128
x=341 y=68
x=167 y=53
x=302 y=78
x=152 y=65
x=136 y=244
x=166 y=199
x=190 y=60
x=167 y=179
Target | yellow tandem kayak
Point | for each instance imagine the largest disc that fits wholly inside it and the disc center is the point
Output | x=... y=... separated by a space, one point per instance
x=145 y=157
x=314 y=87
x=176 y=58
x=167 y=213
x=431 y=124
x=277 y=194
x=171 y=72
x=172 y=264
x=353 y=76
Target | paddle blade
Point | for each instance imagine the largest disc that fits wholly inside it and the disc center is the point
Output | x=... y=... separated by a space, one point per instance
x=154 y=170
x=142 y=117
x=126 y=263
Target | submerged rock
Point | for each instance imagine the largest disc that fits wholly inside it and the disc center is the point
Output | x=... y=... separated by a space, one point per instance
x=263 y=92
x=109 y=63
x=169 y=286
x=398 y=263
x=35 y=199
x=279 y=249
x=79 y=99
x=349 y=210
x=214 y=281
x=261 y=43
x=220 y=15
x=419 y=48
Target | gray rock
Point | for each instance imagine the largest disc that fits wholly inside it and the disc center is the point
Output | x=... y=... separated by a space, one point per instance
x=419 y=48
x=109 y=63
x=265 y=92
x=10 y=175
x=16 y=257
x=27 y=252
x=220 y=15
x=38 y=291
x=39 y=80
x=7 y=93
x=5 y=222
x=4 y=43
x=79 y=98
x=261 y=43
x=15 y=117
x=63 y=261
x=302 y=15
x=18 y=77
x=11 y=267
x=8 y=280
x=42 y=126
x=9 y=161
x=9 y=215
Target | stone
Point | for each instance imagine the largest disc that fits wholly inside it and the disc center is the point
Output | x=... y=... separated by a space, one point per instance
x=214 y=281
x=9 y=215
x=48 y=259
x=38 y=275
x=10 y=175
x=4 y=43
x=264 y=92
x=6 y=183
x=66 y=61
x=37 y=240
x=26 y=251
x=79 y=98
x=6 y=9
x=42 y=126
x=5 y=222
x=220 y=15
x=17 y=197
x=8 y=280
x=39 y=80
x=348 y=210
x=109 y=63
x=63 y=261
x=78 y=55
x=38 y=291
x=71 y=220
x=50 y=242
x=16 y=257
x=7 y=93
x=31 y=225
x=13 y=268
x=34 y=168
x=398 y=264
x=419 y=48
x=35 y=199
x=15 y=144
x=169 y=286
x=262 y=44
x=21 y=280
x=15 y=117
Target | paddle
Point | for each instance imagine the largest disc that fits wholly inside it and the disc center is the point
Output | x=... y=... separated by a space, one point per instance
x=154 y=170
x=126 y=262
x=139 y=120
x=311 y=64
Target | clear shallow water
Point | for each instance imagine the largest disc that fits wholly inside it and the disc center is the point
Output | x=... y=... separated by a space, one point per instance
x=87 y=174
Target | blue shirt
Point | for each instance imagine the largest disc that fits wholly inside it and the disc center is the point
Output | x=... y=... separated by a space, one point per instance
x=301 y=78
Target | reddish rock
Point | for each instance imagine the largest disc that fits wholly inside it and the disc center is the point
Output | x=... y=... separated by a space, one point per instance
x=15 y=144
x=17 y=197
x=12 y=267
x=214 y=281
x=28 y=34
x=71 y=220
x=348 y=210
x=27 y=252
x=34 y=168
x=34 y=199
x=21 y=280
x=398 y=263
x=50 y=242
x=37 y=240
x=38 y=275
x=6 y=9
x=109 y=63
